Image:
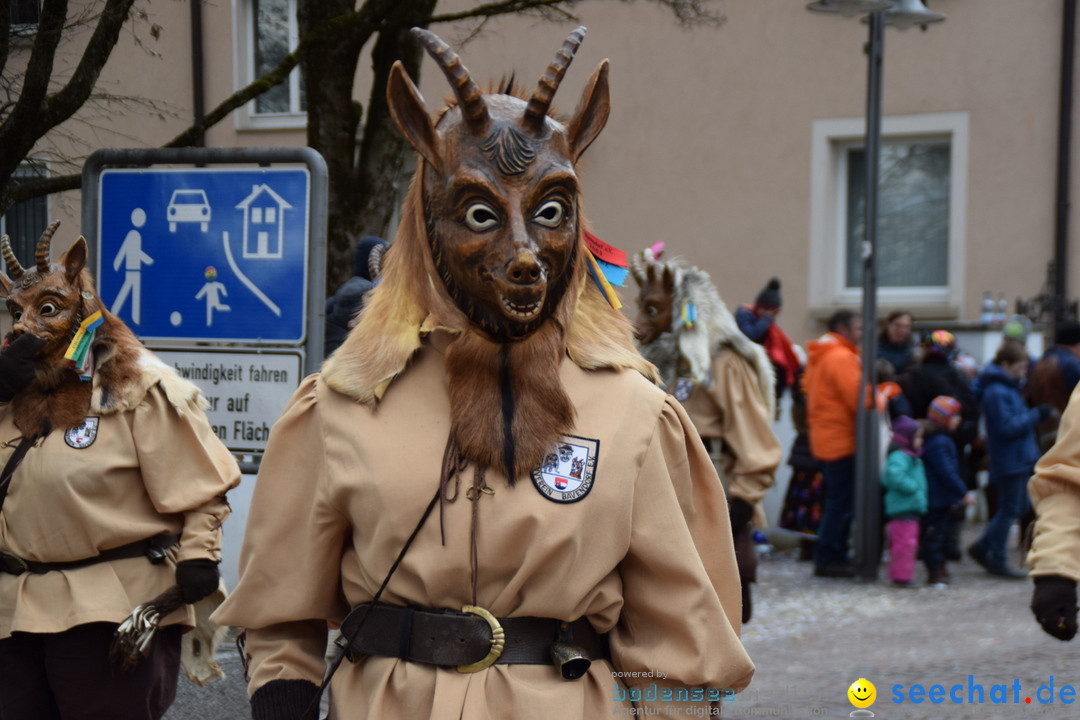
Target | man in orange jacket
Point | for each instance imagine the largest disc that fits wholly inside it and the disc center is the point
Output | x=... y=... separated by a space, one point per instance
x=832 y=379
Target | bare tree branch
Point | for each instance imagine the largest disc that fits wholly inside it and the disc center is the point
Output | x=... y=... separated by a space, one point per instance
x=506 y=7
x=70 y=98
x=27 y=189
x=359 y=25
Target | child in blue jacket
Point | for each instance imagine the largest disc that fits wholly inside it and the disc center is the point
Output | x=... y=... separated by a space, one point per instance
x=904 y=481
x=1011 y=448
x=946 y=491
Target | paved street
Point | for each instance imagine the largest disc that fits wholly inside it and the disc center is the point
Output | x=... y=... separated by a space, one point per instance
x=811 y=638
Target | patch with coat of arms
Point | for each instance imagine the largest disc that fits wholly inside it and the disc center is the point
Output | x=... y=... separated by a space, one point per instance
x=568 y=471
x=82 y=436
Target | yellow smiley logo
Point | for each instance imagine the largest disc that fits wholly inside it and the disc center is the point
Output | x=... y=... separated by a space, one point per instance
x=862 y=693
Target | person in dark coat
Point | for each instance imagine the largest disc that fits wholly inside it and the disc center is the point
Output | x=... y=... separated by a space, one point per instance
x=936 y=375
x=343 y=305
x=804 y=502
x=895 y=342
x=758 y=322
x=1012 y=450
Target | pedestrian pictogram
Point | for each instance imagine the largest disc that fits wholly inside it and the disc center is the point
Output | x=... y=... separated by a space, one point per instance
x=206 y=254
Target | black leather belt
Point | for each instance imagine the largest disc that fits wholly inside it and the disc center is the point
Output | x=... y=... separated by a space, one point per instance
x=466 y=639
x=152 y=548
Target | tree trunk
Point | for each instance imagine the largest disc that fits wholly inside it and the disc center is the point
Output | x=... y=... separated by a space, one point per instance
x=364 y=180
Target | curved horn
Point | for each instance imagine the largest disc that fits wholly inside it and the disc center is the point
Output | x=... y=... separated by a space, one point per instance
x=537 y=109
x=41 y=252
x=467 y=92
x=637 y=269
x=15 y=270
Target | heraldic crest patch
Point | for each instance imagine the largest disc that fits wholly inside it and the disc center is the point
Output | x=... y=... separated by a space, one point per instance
x=569 y=470
x=82 y=436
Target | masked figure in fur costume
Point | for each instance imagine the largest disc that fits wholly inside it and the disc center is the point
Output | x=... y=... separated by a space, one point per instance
x=723 y=380
x=113 y=491
x=488 y=378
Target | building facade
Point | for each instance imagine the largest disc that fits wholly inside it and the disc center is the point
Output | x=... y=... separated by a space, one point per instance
x=740 y=146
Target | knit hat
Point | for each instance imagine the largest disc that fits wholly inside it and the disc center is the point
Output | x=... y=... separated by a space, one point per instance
x=1068 y=333
x=940 y=342
x=904 y=430
x=769 y=297
x=1018 y=328
x=941 y=410
x=367 y=259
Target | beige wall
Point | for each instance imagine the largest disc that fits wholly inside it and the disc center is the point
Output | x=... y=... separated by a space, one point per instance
x=709 y=143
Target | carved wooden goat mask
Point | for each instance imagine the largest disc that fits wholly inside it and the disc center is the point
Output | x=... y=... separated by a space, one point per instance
x=500 y=190
x=656 y=301
x=490 y=249
x=47 y=300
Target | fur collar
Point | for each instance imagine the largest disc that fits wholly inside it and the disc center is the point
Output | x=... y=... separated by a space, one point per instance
x=125 y=371
x=109 y=396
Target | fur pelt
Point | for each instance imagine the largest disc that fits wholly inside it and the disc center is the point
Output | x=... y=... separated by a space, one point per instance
x=409 y=302
x=715 y=327
x=125 y=371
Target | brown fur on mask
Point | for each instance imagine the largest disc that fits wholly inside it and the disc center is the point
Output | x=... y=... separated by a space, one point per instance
x=50 y=300
x=490 y=248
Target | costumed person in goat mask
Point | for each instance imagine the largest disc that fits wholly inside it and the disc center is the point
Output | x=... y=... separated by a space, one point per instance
x=113 y=495
x=580 y=531
x=723 y=380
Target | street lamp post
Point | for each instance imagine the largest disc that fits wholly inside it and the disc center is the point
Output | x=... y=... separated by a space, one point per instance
x=867 y=463
x=903 y=14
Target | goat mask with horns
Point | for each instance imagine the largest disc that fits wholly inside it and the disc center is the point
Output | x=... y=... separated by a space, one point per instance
x=490 y=248
x=51 y=301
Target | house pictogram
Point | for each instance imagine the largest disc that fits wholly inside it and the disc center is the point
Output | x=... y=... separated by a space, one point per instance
x=264 y=227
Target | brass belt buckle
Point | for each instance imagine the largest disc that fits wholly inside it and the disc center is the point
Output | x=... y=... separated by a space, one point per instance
x=498 y=640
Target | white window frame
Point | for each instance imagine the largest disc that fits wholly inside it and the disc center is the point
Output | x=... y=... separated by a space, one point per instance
x=244 y=71
x=831 y=138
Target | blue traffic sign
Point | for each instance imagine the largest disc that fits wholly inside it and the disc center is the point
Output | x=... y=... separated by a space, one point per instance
x=206 y=254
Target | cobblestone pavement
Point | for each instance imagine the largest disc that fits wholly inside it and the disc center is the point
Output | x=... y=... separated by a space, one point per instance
x=811 y=638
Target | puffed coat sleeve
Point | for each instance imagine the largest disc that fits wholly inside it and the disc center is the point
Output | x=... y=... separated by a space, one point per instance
x=186 y=469
x=682 y=609
x=1055 y=495
x=290 y=561
x=746 y=430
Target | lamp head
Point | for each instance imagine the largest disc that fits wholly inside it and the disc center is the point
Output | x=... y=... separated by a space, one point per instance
x=849 y=8
x=906 y=13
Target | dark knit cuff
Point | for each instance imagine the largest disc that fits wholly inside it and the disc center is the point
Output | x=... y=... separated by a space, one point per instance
x=286 y=700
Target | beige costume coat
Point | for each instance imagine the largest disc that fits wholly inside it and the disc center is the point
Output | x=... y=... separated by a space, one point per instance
x=646 y=554
x=1055 y=495
x=155 y=467
x=732 y=412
